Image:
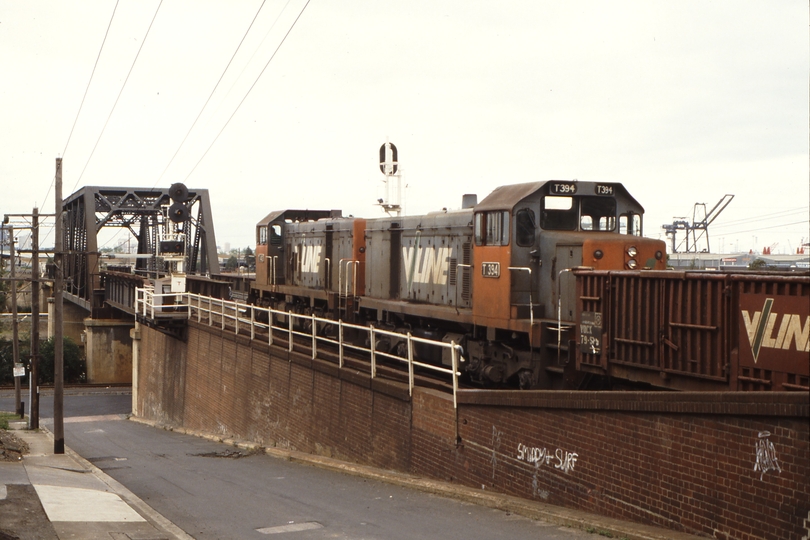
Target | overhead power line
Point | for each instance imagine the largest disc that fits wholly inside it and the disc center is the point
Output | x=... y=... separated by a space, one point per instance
x=75 y=120
x=119 y=95
x=249 y=90
x=763 y=217
x=212 y=92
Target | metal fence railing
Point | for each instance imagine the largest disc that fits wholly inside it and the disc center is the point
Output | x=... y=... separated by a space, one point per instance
x=315 y=331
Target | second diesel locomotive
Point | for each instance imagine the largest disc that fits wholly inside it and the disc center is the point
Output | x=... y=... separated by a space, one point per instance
x=494 y=276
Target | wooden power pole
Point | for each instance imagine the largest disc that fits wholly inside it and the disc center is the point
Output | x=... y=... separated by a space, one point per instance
x=15 y=325
x=58 y=317
x=33 y=419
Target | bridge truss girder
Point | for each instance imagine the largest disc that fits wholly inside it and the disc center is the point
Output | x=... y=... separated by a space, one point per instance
x=143 y=213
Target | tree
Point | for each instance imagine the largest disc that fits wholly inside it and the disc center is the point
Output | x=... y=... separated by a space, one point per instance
x=757 y=264
x=231 y=263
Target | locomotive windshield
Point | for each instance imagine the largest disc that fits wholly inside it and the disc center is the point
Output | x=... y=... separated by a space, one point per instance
x=586 y=213
x=597 y=214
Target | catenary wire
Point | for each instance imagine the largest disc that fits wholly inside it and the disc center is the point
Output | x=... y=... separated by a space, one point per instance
x=249 y=90
x=211 y=94
x=86 y=90
x=145 y=37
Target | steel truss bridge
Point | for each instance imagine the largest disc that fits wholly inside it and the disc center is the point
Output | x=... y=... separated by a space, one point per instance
x=148 y=214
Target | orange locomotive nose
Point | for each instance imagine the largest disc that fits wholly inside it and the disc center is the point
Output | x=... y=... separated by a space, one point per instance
x=634 y=253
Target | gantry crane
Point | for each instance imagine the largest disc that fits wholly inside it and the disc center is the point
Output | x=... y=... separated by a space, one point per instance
x=698 y=229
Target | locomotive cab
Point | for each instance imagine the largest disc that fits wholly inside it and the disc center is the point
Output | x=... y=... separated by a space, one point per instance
x=287 y=257
x=527 y=239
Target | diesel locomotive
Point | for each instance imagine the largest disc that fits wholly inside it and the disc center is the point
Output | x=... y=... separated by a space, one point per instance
x=494 y=276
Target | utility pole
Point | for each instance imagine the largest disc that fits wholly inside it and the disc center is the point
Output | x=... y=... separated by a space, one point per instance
x=33 y=419
x=58 y=343
x=15 y=346
x=33 y=376
x=15 y=327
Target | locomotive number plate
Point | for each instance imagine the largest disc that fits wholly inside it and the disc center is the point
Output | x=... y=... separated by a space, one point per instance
x=491 y=269
x=603 y=189
x=563 y=188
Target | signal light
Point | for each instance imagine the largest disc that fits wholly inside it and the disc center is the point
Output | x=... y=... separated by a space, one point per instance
x=179 y=192
x=179 y=212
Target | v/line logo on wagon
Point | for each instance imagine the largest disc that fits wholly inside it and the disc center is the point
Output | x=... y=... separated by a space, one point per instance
x=793 y=329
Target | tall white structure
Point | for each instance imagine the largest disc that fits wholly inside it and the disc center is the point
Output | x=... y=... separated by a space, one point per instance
x=389 y=165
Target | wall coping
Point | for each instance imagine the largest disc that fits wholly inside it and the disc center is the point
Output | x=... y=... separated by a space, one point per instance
x=783 y=404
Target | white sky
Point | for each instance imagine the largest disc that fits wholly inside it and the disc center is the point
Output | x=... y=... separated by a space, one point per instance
x=681 y=101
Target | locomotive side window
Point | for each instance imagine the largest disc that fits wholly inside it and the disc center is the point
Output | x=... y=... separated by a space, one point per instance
x=558 y=213
x=597 y=214
x=492 y=228
x=630 y=224
x=275 y=234
x=261 y=236
x=524 y=227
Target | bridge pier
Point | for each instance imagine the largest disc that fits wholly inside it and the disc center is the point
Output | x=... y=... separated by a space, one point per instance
x=109 y=350
x=73 y=317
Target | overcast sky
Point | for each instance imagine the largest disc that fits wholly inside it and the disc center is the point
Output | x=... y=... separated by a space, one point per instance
x=681 y=101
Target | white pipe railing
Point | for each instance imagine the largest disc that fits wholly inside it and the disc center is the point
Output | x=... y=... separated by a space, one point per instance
x=235 y=314
x=164 y=305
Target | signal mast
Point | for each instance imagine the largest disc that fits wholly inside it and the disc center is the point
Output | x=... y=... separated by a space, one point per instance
x=391 y=202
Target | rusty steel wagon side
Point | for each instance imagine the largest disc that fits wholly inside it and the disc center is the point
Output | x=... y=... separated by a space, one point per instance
x=710 y=331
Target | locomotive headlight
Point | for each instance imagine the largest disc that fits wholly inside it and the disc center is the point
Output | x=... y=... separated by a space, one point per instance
x=598 y=254
x=632 y=264
x=632 y=252
x=659 y=255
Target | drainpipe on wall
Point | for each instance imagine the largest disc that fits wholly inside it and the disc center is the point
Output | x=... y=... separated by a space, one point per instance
x=135 y=334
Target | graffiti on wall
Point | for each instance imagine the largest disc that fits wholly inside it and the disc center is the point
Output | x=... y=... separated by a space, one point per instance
x=496 y=444
x=766 y=455
x=560 y=459
x=536 y=491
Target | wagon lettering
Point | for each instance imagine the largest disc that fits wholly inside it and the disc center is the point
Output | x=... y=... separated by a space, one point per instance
x=767 y=329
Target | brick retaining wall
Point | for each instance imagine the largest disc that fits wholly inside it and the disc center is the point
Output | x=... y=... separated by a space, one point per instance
x=677 y=460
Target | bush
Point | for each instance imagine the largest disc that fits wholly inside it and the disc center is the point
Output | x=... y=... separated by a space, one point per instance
x=75 y=370
x=7 y=360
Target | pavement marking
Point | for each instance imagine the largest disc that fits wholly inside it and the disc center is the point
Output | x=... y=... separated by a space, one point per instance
x=292 y=527
x=98 y=418
x=3 y=492
x=79 y=504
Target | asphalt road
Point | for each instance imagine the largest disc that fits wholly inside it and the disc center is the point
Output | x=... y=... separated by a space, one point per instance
x=209 y=492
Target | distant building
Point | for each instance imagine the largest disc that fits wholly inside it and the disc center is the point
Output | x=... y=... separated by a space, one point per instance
x=719 y=261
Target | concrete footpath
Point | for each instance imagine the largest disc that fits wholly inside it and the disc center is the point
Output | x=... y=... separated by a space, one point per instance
x=60 y=496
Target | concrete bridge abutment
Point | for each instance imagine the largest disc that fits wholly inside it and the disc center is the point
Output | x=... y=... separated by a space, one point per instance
x=108 y=349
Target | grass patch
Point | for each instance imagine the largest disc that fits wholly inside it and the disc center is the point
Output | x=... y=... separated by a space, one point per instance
x=5 y=417
x=600 y=532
